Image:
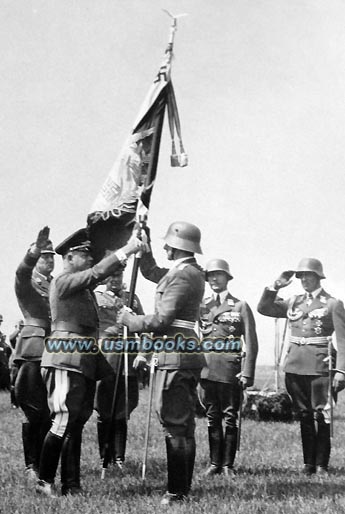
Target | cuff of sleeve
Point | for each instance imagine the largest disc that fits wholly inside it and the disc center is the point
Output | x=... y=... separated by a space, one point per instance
x=120 y=254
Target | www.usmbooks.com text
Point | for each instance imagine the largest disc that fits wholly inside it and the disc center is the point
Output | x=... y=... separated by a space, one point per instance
x=145 y=344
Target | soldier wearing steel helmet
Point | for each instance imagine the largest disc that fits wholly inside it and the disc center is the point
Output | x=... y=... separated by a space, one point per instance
x=313 y=318
x=224 y=317
x=178 y=296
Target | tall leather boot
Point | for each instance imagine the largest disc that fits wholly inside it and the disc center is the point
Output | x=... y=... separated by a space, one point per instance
x=191 y=449
x=102 y=434
x=229 y=450
x=41 y=435
x=30 y=433
x=105 y=435
x=215 y=439
x=177 y=466
x=50 y=456
x=308 y=435
x=120 y=441
x=323 y=446
x=14 y=403
x=70 y=464
x=77 y=453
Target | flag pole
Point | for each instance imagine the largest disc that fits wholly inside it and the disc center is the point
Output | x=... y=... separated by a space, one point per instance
x=119 y=196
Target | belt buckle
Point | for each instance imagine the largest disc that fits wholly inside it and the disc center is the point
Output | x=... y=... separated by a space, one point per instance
x=302 y=341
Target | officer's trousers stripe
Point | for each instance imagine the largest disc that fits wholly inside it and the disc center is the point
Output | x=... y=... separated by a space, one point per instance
x=58 y=400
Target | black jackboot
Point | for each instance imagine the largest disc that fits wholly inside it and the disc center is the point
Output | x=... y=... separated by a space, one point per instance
x=215 y=439
x=70 y=463
x=308 y=435
x=191 y=448
x=323 y=446
x=30 y=438
x=120 y=440
x=177 y=460
x=102 y=434
x=50 y=456
x=42 y=431
x=229 y=450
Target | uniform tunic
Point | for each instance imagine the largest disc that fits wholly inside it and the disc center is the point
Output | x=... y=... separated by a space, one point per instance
x=74 y=315
x=178 y=296
x=306 y=363
x=321 y=318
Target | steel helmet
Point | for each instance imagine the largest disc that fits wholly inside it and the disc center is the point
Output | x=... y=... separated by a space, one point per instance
x=183 y=236
x=310 y=264
x=218 y=265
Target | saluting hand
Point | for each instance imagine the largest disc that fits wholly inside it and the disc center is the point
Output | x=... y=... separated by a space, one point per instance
x=42 y=238
x=283 y=280
x=41 y=242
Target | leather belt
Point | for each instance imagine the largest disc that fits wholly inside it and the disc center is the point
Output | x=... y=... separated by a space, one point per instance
x=37 y=322
x=301 y=341
x=182 y=323
x=67 y=326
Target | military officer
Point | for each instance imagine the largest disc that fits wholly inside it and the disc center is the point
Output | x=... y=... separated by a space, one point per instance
x=313 y=318
x=178 y=295
x=225 y=318
x=70 y=375
x=109 y=303
x=32 y=283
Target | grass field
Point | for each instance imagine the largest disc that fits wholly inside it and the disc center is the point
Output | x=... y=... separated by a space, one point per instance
x=268 y=479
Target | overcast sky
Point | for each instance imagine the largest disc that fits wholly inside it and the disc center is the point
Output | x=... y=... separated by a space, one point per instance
x=260 y=86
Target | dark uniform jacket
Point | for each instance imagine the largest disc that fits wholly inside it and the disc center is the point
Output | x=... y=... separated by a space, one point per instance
x=232 y=318
x=321 y=318
x=109 y=305
x=178 y=296
x=32 y=291
x=75 y=314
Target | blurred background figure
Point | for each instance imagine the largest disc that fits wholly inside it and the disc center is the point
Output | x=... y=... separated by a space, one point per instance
x=12 y=365
x=5 y=352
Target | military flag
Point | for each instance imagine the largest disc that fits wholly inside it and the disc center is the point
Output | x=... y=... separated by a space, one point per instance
x=126 y=192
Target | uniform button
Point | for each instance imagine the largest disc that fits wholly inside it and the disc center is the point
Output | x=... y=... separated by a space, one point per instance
x=214 y=329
